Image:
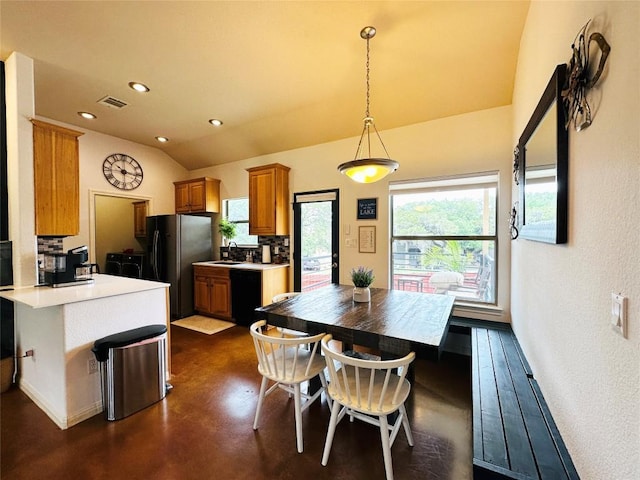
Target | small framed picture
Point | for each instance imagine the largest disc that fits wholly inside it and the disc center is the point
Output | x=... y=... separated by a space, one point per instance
x=367 y=208
x=367 y=239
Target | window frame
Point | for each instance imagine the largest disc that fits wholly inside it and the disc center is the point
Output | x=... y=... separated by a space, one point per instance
x=449 y=183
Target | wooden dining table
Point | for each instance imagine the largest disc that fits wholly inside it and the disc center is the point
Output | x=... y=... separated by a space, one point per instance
x=394 y=322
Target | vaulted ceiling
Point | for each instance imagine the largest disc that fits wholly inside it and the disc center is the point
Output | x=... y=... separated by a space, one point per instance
x=280 y=75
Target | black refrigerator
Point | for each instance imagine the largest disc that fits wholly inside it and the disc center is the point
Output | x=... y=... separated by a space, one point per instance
x=174 y=242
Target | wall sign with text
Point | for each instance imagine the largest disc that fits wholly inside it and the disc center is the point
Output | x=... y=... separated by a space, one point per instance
x=367 y=208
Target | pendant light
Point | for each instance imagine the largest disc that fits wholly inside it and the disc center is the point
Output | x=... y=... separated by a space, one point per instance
x=363 y=168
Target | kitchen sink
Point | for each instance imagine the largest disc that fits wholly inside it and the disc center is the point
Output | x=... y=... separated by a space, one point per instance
x=225 y=262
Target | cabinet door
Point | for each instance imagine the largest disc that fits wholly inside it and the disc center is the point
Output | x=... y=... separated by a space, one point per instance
x=202 y=294
x=200 y=195
x=262 y=202
x=56 y=180
x=221 y=297
x=140 y=219
x=197 y=196
x=182 y=198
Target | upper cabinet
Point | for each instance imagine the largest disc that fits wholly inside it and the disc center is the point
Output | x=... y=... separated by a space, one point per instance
x=200 y=195
x=269 y=200
x=56 y=180
x=140 y=218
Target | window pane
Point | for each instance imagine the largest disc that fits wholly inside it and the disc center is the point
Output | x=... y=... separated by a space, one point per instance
x=451 y=213
x=242 y=235
x=464 y=269
x=316 y=244
x=237 y=210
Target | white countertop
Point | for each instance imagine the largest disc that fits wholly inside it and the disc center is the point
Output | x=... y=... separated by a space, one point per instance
x=243 y=265
x=103 y=286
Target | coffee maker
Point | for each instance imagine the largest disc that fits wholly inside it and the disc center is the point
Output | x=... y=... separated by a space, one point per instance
x=67 y=269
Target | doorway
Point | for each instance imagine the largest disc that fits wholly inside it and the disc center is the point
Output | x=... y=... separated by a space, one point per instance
x=112 y=225
x=315 y=239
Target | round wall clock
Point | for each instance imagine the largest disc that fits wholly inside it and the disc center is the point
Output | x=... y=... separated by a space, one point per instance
x=122 y=171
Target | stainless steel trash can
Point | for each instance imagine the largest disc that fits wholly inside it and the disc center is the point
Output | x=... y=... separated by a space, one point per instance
x=133 y=369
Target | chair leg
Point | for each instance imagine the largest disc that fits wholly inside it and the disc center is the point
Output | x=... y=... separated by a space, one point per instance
x=297 y=400
x=386 y=447
x=323 y=381
x=263 y=389
x=333 y=422
x=405 y=424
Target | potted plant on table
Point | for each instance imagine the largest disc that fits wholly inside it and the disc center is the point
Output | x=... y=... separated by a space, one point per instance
x=362 y=278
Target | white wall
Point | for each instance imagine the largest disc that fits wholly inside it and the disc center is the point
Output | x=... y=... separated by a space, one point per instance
x=20 y=108
x=475 y=142
x=561 y=294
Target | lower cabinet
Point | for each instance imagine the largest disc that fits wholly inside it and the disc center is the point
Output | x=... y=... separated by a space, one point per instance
x=212 y=291
x=233 y=294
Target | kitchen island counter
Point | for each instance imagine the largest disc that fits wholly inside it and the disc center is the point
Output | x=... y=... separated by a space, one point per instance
x=60 y=326
x=103 y=286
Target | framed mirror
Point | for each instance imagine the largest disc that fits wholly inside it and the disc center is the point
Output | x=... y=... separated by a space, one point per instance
x=542 y=161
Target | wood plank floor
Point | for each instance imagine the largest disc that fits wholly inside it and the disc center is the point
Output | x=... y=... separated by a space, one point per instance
x=203 y=428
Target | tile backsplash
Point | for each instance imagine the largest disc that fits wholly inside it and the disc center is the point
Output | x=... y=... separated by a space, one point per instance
x=239 y=254
x=49 y=245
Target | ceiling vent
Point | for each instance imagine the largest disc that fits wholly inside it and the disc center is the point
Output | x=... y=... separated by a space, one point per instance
x=112 y=102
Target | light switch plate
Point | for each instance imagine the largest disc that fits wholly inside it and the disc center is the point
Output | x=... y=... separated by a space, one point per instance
x=619 y=314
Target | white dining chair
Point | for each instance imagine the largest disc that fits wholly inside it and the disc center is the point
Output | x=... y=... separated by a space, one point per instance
x=368 y=390
x=288 y=362
x=287 y=331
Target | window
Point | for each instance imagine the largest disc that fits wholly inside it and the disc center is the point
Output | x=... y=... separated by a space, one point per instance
x=236 y=210
x=444 y=236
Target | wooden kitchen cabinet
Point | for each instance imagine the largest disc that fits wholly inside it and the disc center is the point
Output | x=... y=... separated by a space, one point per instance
x=212 y=291
x=56 y=180
x=140 y=219
x=269 y=200
x=200 y=195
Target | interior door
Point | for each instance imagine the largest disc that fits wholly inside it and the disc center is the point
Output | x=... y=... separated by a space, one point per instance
x=315 y=239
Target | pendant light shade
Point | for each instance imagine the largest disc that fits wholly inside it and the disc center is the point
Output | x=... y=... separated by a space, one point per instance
x=364 y=168
x=368 y=170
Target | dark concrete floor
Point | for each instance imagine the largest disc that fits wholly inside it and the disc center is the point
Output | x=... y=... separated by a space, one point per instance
x=203 y=428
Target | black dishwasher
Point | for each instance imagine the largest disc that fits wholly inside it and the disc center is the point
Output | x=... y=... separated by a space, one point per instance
x=246 y=295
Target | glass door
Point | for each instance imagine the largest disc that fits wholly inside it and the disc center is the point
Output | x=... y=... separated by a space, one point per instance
x=315 y=239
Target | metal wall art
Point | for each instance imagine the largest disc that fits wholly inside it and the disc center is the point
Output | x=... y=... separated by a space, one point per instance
x=516 y=165
x=513 y=222
x=577 y=84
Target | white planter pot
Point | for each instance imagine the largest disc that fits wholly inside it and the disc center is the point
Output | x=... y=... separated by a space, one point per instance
x=361 y=294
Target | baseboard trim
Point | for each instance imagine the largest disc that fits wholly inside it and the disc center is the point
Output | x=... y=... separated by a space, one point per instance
x=62 y=421
x=34 y=395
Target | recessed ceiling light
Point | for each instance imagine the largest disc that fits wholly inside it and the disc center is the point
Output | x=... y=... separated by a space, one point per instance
x=215 y=122
x=87 y=115
x=139 y=87
x=162 y=139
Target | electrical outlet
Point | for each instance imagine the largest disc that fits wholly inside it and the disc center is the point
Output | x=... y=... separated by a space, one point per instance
x=619 y=314
x=92 y=365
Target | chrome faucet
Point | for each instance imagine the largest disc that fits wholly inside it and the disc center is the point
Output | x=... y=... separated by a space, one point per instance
x=229 y=246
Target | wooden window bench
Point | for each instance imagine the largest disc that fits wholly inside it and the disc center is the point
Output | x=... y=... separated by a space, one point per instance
x=514 y=435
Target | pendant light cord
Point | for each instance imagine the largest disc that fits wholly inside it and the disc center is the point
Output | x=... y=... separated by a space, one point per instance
x=367 y=34
x=367 y=68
